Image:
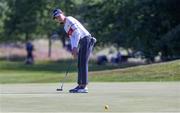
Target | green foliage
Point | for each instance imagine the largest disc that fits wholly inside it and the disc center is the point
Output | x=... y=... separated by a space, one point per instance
x=3 y=15
x=135 y=24
x=170 y=44
x=29 y=18
x=23 y=19
x=141 y=25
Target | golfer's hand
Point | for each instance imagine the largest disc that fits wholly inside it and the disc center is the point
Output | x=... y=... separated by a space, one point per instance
x=75 y=52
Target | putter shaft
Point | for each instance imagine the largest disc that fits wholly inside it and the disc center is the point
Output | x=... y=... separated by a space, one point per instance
x=61 y=89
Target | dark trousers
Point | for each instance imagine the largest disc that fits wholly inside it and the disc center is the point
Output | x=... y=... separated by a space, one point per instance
x=85 y=49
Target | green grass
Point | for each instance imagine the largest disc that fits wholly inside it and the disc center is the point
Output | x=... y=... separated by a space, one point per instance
x=48 y=72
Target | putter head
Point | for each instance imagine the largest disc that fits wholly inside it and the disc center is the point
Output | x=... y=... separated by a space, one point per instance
x=59 y=89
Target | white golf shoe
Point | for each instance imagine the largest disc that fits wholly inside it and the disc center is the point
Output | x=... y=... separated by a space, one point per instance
x=82 y=90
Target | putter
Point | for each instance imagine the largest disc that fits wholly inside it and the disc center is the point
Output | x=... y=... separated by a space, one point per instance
x=67 y=70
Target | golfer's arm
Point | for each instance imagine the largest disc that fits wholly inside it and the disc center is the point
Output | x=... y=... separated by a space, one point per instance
x=75 y=39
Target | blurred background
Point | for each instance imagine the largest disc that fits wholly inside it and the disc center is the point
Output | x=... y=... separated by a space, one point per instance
x=146 y=28
x=135 y=65
x=129 y=32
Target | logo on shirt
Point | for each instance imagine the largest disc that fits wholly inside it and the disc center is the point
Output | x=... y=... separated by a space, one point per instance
x=69 y=33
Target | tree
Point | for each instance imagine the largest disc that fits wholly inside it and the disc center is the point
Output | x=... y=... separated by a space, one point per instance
x=138 y=25
x=3 y=16
x=31 y=18
x=170 y=44
x=141 y=25
x=23 y=19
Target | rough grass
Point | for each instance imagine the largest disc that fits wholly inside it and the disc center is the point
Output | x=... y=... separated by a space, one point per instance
x=48 y=72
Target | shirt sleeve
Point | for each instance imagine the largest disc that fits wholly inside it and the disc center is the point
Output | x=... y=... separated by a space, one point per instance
x=73 y=32
x=75 y=38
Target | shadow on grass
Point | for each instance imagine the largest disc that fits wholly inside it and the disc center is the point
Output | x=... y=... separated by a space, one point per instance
x=46 y=66
x=13 y=58
x=59 y=66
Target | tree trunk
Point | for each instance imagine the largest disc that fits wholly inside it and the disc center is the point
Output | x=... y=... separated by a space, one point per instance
x=50 y=47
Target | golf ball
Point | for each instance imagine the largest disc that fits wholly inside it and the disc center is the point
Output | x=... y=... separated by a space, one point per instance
x=106 y=107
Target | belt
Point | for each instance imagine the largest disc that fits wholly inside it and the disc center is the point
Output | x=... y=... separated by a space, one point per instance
x=85 y=36
x=92 y=39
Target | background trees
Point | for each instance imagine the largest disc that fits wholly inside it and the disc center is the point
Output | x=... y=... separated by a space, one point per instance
x=150 y=26
x=139 y=25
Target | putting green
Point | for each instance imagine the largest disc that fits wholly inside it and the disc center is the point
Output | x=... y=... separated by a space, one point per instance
x=120 y=97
